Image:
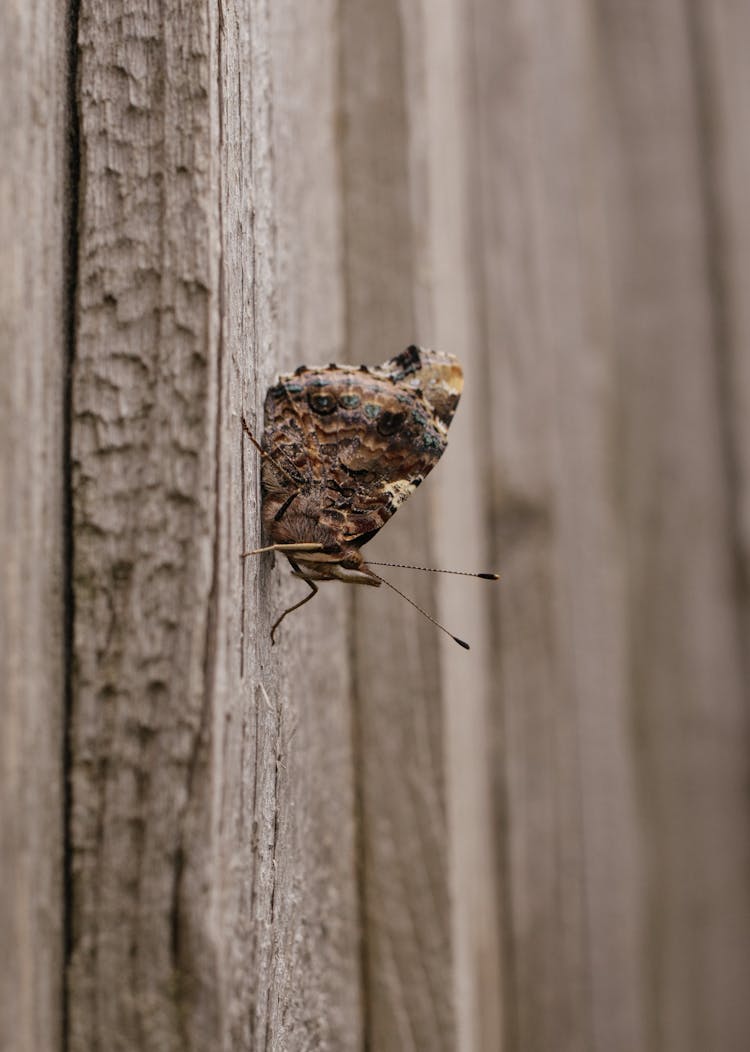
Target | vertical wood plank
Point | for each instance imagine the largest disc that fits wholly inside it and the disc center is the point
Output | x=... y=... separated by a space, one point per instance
x=145 y=477
x=265 y=185
x=35 y=222
x=442 y=187
x=565 y=791
x=407 y=920
x=686 y=662
x=719 y=32
x=213 y=825
x=288 y=853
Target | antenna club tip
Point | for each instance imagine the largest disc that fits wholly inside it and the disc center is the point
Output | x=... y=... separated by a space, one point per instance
x=462 y=643
x=489 y=576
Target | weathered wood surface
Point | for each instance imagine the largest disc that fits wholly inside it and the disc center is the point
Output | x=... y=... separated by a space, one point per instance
x=364 y=837
x=307 y=994
x=144 y=446
x=407 y=964
x=34 y=218
x=687 y=657
x=438 y=56
x=718 y=34
x=564 y=780
x=213 y=852
x=622 y=716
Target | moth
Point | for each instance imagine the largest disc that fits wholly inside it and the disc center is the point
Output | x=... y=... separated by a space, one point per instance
x=343 y=447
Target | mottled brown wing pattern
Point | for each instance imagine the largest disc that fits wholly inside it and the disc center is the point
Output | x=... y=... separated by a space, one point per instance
x=343 y=448
x=347 y=445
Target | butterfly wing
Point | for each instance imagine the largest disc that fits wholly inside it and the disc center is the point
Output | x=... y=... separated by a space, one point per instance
x=359 y=440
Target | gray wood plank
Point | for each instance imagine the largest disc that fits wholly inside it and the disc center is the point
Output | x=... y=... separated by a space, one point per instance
x=35 y=216
x=146 y=375
x=362 y=836
x=687 y=675
x=407 y=917
x=213 y=825
x=719 y=32
x=294 y=954
x=442 y=182
x=567 y=824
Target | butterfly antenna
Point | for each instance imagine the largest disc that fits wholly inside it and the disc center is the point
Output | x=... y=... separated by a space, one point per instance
x=432 y=569
x=424 y=613
x=267 y=456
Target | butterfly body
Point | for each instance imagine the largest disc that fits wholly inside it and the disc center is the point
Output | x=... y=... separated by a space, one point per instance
x=344 y=447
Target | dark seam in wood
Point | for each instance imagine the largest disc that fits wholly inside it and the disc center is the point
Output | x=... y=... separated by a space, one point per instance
x=274 y=843
x=360 y=839
x=209 y=646
x=70 y=271
x=220 y=36
x=174 y=915
x=254 y=865
x=255 y=355
x=135 y=958
x=244 y=570
x=209 y=649
x=102 y=779
x=706 y=108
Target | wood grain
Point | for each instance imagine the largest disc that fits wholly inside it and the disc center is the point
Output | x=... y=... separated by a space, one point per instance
x=145 y=476
x=687 y=671
x=213 y=867
x=34 y=271
x=364 y=837
x=406 y=907
x=565 y=791
x=442 y=188
x=622 y=732
x=722 y=87
x=292 y=946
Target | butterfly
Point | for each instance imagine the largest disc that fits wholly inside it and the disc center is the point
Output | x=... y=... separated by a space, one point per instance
x=343 y=447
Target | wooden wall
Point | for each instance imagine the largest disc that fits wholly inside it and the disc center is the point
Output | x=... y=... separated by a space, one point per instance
x=36 y=265
x=365 y=837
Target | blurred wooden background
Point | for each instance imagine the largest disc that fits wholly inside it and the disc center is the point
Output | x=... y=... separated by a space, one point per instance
x=363 y=838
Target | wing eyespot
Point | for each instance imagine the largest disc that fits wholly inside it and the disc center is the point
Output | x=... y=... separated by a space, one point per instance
x=321 y=403
x=389 y=423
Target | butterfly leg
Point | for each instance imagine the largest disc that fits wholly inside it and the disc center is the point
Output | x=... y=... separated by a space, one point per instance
x=251 y=436
x=307 y=598
x=267 y=456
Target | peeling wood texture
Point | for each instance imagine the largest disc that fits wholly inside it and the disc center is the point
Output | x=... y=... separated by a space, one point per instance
x=364 y=837
x=34 y=329
x=213 y=829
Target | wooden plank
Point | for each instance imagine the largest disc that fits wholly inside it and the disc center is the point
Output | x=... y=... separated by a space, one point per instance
x=565 y=793
x=718 y=33
x=35 y=222
x=145 y=476
x=686 y=661
x=213 y=882
x=289 y=863
x=407 y=920
x=442 y=184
